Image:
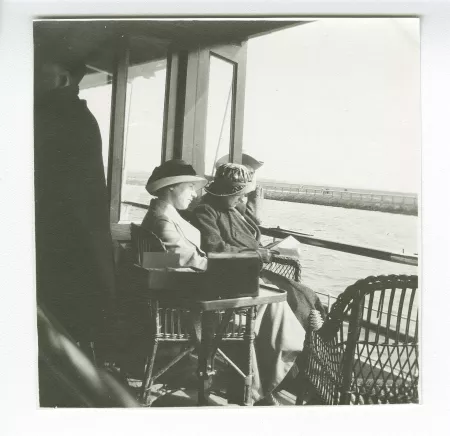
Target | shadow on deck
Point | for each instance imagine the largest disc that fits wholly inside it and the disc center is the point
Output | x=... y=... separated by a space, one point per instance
x=178 y=386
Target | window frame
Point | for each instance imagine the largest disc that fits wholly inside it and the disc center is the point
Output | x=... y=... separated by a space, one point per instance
x=117 y=129
x=185 y=112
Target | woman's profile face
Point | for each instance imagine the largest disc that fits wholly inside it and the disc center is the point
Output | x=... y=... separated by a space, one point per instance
x=182 y=195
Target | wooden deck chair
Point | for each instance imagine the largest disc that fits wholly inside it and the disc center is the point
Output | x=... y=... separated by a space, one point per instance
x=167 y=323
x=366 y=351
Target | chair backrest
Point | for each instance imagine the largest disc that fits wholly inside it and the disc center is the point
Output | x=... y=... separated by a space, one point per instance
x=376 y=322
x=143 y=240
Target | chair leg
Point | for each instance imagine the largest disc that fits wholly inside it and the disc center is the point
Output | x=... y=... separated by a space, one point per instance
x=249 y=342
x=240 y=388
x=147 y=380
x=205 y=354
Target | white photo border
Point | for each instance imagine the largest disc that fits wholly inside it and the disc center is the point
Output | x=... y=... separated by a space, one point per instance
x=18 y=364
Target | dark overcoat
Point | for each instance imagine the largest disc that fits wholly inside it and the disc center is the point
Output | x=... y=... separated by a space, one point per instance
x=75 y=264
x=225 y=229
x=228 y=230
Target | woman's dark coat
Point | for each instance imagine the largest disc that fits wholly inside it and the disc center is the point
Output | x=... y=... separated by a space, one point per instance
x=227 y=230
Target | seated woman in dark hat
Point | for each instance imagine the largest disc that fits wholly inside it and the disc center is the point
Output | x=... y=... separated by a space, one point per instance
x=227 y=227
x=255 y=196
x=279 y=335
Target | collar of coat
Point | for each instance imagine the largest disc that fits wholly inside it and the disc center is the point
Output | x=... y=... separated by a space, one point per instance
x=161 y=207
x=215 y=202
x=244 y=214
x=58 y=97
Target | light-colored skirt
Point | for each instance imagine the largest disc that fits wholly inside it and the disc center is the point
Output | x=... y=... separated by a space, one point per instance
x=279 y=340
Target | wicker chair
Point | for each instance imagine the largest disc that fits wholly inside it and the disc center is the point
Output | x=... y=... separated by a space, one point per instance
x=168 y=324
x=366 y=351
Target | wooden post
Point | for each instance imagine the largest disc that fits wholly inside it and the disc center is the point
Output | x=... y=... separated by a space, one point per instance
x=117 y=128
x=174 y=106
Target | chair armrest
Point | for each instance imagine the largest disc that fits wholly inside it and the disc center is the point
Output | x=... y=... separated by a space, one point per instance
x=280 y=264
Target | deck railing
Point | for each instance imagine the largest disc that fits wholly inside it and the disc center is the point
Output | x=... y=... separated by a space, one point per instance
x=374 y=253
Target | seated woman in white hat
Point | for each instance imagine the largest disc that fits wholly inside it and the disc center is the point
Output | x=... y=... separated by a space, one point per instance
x=175 y=184
x=279 y=335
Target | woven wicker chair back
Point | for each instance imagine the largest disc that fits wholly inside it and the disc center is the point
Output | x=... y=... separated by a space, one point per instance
x=366 y=352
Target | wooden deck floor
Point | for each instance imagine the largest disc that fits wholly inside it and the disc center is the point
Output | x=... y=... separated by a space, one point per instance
x=178 y=387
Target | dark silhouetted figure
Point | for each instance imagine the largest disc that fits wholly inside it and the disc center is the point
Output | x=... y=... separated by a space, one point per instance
x=75 y=264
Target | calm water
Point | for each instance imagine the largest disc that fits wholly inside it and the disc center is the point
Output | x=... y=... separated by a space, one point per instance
x=327 y=270
x=332 y=271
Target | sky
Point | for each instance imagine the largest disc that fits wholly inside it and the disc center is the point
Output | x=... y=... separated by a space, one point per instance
x=337 y=102
x=332 y=102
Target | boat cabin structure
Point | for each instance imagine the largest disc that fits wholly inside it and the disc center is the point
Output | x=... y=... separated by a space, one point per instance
x=186 y=60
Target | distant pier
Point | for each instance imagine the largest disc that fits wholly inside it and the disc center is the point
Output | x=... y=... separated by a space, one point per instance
x=383 y=201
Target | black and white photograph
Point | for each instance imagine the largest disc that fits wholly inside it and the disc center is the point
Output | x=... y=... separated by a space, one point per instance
x=227 y=211
x=224 y=217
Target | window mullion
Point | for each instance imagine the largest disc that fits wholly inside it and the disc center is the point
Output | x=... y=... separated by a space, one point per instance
x=117 y=135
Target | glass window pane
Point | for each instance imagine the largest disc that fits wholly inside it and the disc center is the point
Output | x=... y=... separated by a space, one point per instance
x=96 y=89
x=143 y=134
x=218 y=122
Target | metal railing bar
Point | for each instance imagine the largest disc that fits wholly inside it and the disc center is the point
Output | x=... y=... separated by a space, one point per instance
x=304 y=238
x=340 y=246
